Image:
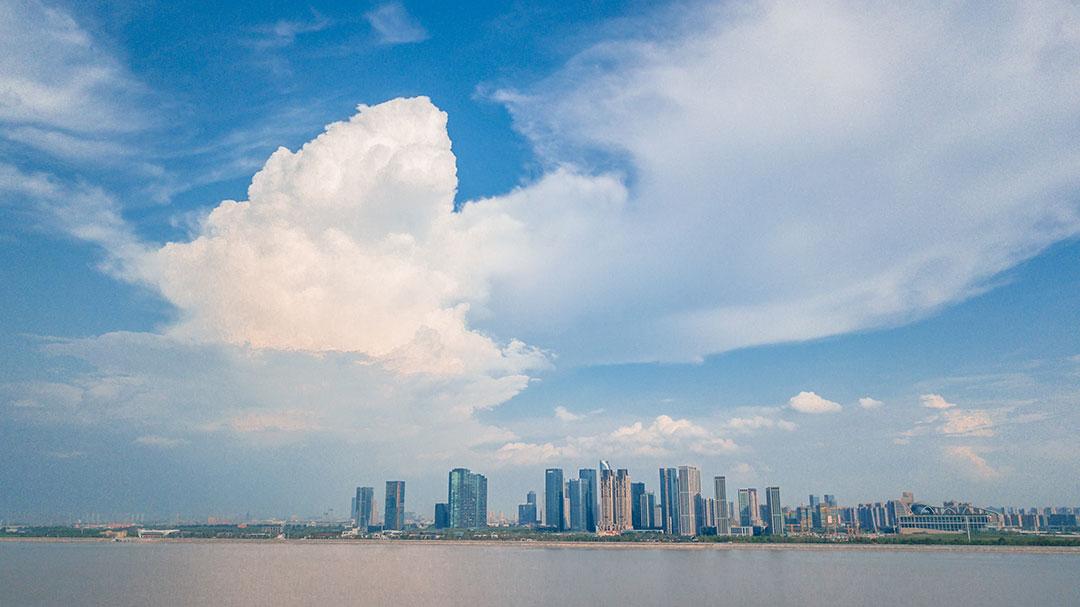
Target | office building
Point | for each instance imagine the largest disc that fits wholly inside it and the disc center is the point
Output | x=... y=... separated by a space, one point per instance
x=442 y=516
x=638 y=513
x=365 y=507
x=527 y=514
x=554 y=509
x=648 y=509
x=776 y=515
x=669 y=501
x=723 y=514
x=588 y=475
x=394 y=518
x=578 y=490
x=467 y=499
x=744 y=508
x=689 y=494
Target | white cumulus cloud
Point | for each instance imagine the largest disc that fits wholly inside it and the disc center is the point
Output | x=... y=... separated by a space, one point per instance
x=810 y=402
x=870 y=403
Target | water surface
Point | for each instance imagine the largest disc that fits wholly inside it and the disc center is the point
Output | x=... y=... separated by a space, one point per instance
x=297 y=573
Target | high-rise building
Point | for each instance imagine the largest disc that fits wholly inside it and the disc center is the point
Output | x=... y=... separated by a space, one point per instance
x=744 y=508
x=689 y=494
x=553 y=499
x=578 y=489
x=723 y=515
x=442 y=516
x=365 y=507
x=814 y=501
x=755 y=508
x=467 y=493
x=527 y=514
x=638 y=506
x=776 y=515
x=669 y=501
x=394 y=519
x=624 y=504
x=589 y=476
x=616 y=506
x=830 y=500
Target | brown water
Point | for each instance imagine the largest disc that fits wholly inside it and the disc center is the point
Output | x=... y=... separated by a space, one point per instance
x=223 y=573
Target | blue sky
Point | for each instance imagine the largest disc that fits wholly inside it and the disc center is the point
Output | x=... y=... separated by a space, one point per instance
x=832 y=248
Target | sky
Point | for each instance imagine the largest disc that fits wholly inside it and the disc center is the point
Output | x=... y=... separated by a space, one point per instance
x=256 y=254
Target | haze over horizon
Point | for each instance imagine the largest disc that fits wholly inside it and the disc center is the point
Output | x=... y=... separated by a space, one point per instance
x=255 y=255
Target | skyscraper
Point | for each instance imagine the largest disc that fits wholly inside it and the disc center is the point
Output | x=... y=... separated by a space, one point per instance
x=776 y=515
x=648 y=510
x=745 y=518
x=669 y=501
x=589 y=476
x=553 y=499
x=689 y=494
x=467 y=493
x=616 y=506
x=830 y=500
x=579 y=513
x=638 y=513
x=365 y=507
x=527 y=514
x=753 y=508
x=394 y=519
x=723 y=515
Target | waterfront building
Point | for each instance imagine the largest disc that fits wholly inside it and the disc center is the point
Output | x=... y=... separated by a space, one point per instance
x=527 y=514
x=394 y=517
x=648 y=510
x=554 y=512
x=365 y=507
x=467 y=499
x=669 y=501
x=588 y=475
x=744 y=508
x=638 y=508
x=616 y=505
x=689 y=494
x=578 y=490
x=951 y=518
x=442 y=516
x=776 y=515
x=723 y=514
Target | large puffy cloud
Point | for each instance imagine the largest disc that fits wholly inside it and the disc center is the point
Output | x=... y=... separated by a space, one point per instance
x=348 y=245
x=801 y=170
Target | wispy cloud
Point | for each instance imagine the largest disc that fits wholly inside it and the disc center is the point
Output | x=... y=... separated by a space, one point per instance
x=283 y=33
x=935 y=401
x=162 y=442
x=968 y=460
x=394 y=25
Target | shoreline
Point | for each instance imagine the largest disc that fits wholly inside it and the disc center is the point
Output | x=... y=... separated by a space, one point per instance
x=570 y=545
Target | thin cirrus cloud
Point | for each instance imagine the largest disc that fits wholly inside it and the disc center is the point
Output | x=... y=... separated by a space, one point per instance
x=393 y=24
x=935 y=401
x=826 y=168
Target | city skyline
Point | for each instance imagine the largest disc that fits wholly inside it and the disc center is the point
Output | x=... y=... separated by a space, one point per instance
x=273 y=253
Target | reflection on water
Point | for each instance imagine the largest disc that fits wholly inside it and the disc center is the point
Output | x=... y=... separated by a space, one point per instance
x=217 y=573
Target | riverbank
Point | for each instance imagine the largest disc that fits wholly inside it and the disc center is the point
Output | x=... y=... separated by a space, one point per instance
x=574 y=545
